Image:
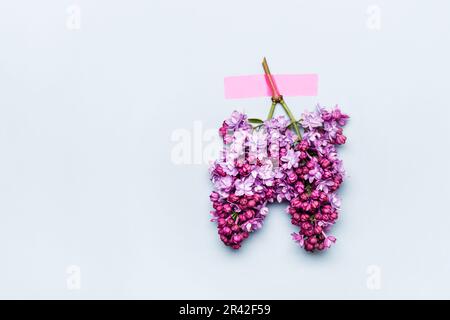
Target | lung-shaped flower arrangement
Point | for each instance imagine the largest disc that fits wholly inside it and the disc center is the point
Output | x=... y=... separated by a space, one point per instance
x=279 y=159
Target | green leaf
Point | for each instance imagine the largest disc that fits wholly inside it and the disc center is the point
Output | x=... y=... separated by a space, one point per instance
x=255 y=121
x=234 y=215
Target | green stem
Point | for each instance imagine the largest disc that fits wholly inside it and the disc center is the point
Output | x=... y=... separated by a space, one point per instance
x=291 y=116
x=278 y=98
x=272 y=110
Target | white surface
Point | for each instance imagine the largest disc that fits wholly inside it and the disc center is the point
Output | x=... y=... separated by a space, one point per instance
x=86 y=176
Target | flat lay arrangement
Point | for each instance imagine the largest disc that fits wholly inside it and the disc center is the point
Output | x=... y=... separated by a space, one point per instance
x=279 y=159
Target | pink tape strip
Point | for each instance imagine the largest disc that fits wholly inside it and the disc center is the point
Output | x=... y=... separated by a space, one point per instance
x=256 y=85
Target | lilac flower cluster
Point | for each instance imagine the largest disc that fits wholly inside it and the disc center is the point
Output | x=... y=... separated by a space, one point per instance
x=268 y=163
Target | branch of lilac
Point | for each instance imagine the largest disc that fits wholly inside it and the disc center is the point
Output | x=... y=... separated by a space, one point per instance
x=278 y=98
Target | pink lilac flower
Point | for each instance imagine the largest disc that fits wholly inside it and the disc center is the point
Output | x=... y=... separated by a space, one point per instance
x=339 y=116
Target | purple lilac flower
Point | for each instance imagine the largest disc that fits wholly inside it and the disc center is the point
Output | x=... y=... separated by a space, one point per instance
x=329 y=240
x=223 y=185
x=308 y=178
x=311 y=136
x=311 y=120
x=334 y=200
x=236 y=121
x=253 y=224
x=298 y=238
x=325 y=185
x=244 y=186
x=331 y=128
x=291 y=158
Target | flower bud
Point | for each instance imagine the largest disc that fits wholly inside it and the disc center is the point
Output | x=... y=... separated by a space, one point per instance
x=214 y=196
x=227 y=208
x=249 y=214
x=340 y=139
x=226 y=231
x=251 y=203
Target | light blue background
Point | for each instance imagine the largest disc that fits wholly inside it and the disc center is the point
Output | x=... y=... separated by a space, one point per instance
x=86 y=118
